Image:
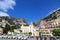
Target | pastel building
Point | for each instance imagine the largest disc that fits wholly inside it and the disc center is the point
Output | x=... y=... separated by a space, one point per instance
x=46 y=28
x=42 y=24
x=46 y=32
x=56 y=24
x=29 y=28
x=45 y=24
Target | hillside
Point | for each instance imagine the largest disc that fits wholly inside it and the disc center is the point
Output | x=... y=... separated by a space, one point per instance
x=54 y=15
x=9 y=23
x=11 y=19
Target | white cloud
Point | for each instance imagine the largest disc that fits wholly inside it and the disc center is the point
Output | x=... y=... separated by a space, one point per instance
x=3 y=14
x=5 y=5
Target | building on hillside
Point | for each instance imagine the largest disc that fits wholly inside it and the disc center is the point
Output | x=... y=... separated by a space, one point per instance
x=17 y=31
x=46 y=32
x=46 y=28
x=45 y=24
x=21 y=21
x=56 y=23
x=2 y=22
x=1 y=31
x=15 y=21
x=29 y=28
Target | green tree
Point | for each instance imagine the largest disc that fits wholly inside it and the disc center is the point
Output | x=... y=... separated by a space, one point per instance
x=6 y=29
x=17 y=26
x=56 y=32
x=12 y=29
x=20 y=30
x=30 y=33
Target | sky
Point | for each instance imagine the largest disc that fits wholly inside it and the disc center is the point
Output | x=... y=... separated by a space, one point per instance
x=33 y=10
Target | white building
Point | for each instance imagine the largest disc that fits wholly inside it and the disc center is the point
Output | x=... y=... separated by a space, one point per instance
x=3 y=22
x=46 y=32
x=29 y=28
x=17 y=30
x=1 y=31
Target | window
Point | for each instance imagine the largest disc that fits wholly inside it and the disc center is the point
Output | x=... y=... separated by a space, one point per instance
x=58 y=16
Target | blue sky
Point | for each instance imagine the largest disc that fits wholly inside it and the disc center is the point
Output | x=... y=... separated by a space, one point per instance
x=33 y=10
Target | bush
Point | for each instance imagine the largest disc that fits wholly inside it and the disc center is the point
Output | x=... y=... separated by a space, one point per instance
x=30 y=33
x=56 y=32
x=20 y=30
